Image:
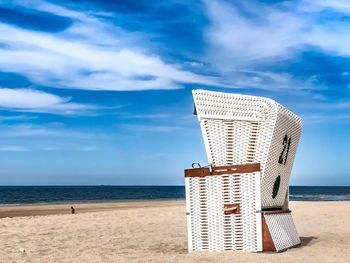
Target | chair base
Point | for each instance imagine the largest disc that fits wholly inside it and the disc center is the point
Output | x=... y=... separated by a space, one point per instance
x=278 y=231
x=223 y=210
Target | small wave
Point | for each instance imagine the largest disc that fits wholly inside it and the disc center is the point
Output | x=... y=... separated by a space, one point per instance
x=318 y=197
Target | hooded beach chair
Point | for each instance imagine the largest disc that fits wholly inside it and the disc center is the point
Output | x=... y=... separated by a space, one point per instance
x=240 y=201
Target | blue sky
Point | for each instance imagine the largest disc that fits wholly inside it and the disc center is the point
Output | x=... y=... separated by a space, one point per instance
x=94 y=92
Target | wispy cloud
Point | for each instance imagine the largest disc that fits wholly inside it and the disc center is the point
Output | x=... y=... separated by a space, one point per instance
x=319 y=111
x=244 y=39
x=50 y=130
x=249 y=40
x=321 y=118
x=16 y=118
x=342 y=6
x=69 y=148
x=30 y=100
x=151 y=128
x=147 y=116
x=90 y=54
x=13 y=149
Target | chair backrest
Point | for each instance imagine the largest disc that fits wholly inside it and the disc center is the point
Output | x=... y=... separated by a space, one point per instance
x=240 y=129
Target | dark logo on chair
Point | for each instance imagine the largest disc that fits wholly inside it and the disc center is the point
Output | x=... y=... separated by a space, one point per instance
x=276 y=186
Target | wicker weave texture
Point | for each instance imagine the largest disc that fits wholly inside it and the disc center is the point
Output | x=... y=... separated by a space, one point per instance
x=239 y=129
x=282 y=230
x=208 y=226
x=287 y=128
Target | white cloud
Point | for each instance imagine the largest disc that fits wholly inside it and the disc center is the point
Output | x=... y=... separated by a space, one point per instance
x=263 y=35
x=38 y=101
x=247 y=39
x=316 y=118
x=16 y=118
x=319 y=110
x=342 y=6
x=151 y=128
x=152 y=116
x=69 y=148
x=94 y=54
x=13 y=149
x=91 y=54
x=49 y=130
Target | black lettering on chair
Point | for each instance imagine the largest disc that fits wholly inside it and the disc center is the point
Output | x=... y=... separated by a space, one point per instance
x=284 y=154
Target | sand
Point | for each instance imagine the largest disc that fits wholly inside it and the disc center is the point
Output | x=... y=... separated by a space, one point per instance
x=154 y=232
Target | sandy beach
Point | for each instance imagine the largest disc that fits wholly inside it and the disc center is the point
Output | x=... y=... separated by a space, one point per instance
x=154 y=232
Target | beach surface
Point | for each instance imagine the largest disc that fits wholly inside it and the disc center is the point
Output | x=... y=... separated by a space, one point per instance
x=154 y=231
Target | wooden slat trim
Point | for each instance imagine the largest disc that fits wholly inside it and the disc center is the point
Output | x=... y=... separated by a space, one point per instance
x=277 y=212
x=268 y=244
x=232 y=209
x=197 y=172
x=219 y=170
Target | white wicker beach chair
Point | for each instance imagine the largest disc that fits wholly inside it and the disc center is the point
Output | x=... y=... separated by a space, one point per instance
x=240 y=202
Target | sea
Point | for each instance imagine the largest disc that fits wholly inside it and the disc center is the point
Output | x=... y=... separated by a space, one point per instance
x=18 y=195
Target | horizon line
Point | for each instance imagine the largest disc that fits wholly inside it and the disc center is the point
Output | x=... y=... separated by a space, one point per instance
x=146 y=185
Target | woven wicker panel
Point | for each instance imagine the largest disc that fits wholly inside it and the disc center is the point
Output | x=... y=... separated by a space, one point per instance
x=287 y=126
x=282 y=230
x=239 y=129
x=208 y=226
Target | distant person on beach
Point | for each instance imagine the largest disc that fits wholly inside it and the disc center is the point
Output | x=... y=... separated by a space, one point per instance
x=73 y=210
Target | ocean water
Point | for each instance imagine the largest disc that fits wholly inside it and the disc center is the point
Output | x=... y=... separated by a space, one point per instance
x=68 y=194
x=319 y=193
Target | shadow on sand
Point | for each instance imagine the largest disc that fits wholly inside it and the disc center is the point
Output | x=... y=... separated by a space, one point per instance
x=305 y=241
